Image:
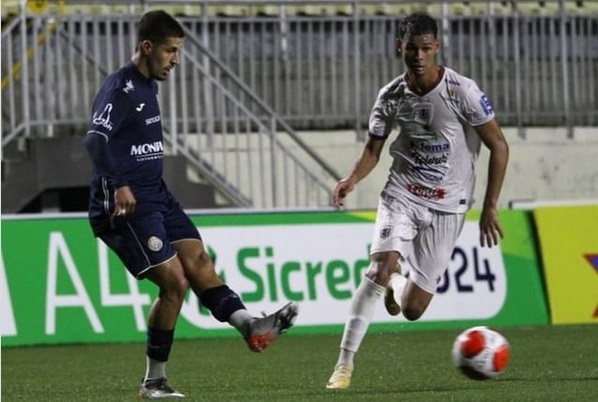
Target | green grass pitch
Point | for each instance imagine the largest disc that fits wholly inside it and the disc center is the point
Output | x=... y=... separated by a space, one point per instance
x=556 y=363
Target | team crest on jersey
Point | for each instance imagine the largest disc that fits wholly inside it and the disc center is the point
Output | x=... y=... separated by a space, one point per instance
x=154 y=243
x=422 y=113
x=128 y=87
x=385 y=232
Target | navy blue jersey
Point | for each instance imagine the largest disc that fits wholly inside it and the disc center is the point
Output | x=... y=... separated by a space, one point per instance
x=126 y=115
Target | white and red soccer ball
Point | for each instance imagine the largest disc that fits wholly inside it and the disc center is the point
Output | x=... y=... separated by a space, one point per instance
x=481 y=353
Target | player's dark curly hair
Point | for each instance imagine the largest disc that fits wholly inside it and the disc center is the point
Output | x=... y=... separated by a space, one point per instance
x=157 y=26
x=417 y=24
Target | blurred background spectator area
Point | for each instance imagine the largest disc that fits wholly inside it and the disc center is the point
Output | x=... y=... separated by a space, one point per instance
x=254 y=73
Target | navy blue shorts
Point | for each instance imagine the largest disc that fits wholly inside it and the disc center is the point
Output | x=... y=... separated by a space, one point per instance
x=144 y=239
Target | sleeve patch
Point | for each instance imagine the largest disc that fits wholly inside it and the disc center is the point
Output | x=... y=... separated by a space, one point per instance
x=486 y=105
x=103 y=119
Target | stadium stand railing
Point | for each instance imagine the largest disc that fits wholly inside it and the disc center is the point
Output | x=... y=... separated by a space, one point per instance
x=235 y=141
x=251 y=8
x=255 y=71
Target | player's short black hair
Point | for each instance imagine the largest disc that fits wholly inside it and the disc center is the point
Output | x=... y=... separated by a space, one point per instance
x=157 y=26
x=417 y=24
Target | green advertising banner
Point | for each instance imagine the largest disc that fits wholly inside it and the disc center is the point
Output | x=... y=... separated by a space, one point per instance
x=58 y=284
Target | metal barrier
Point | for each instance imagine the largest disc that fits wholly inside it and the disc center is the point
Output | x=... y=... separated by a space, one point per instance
x=249 y=75
x=231 y=138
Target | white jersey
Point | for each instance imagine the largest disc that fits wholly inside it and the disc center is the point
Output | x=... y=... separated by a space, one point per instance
x=435 y=152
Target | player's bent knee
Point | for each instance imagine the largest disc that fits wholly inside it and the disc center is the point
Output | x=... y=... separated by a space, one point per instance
x=203 y=262
x=182 y=286
x=175 y=288
x=204 y=257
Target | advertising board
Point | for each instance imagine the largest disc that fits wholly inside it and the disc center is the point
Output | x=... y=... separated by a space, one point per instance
x=58 y=284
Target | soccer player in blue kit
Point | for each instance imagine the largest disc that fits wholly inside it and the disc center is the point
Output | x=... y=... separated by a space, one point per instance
x=133 y=212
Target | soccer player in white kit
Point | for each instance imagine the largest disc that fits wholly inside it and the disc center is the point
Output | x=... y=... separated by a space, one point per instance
x=442 y=118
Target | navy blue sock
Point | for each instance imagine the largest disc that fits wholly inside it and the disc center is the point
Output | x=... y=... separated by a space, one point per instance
x=159 y=343
x=222 y=302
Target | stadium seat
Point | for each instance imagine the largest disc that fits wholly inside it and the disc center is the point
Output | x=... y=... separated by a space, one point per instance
x=85 y=9
x=63 y=7
x=459 y=9
x=538 y=7
x=267 y=10
x=193 y=10
x=418 y=8
x=435 y=10
x=10 y=3
x=233 y=11
x=344 y=9
x=385 y=8
x=588 y=7
x=481 y=9
x=367 y=9
x=9 y=8
x=315 y=10
x=122 y=9
x=581 y=7
x=288 y=9
x=553 y=7
x=500 y=8
x=177 y=9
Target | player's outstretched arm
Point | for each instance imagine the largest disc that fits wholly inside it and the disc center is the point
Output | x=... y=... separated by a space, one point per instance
x=493 y=138
x=365 y=164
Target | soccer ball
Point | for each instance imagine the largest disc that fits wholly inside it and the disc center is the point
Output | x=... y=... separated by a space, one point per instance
x=481 y=353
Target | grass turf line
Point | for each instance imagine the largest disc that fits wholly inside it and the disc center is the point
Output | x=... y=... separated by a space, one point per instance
x=557 y=363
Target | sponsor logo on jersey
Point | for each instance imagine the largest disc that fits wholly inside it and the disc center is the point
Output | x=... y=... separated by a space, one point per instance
x=429 y=174
x=429 y=160
x=154 y=243
x=152 y=120
x=425 y=155
x=429 y=147
x=147 y=149
x=426 y=192
x=140 y=107
x=486 y=105
x=103 y=119
x=128 y=87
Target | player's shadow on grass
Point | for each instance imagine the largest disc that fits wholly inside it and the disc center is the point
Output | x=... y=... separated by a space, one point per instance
x=385 y=390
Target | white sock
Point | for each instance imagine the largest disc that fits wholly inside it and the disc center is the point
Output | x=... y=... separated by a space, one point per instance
x=154 y=368
x=397 y=282
x=360 y=315
x=239 y=320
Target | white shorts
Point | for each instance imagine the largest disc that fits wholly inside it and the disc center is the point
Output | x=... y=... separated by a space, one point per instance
x=424 y=238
